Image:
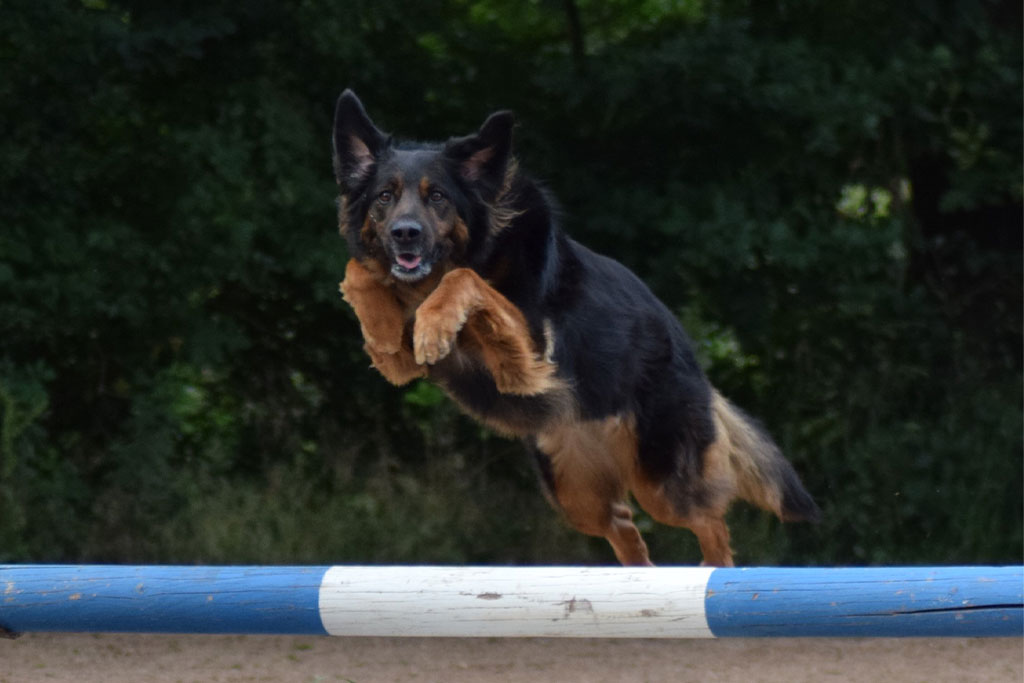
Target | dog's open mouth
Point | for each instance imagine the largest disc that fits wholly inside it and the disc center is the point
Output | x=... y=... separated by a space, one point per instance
x=409 y=261
x=410 y=267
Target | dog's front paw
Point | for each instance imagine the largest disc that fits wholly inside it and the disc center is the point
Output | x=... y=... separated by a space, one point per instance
x=434 y=334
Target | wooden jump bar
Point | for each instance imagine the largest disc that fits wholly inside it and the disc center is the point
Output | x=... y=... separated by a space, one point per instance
x=574 y=602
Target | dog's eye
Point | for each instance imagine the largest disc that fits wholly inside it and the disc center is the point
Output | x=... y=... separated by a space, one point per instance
x=385 y=197
x=436 y=196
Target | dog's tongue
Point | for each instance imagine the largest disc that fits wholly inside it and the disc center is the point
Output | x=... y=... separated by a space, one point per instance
x=408 y=261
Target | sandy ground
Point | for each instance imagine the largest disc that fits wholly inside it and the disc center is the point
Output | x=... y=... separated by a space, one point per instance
x=84 y=658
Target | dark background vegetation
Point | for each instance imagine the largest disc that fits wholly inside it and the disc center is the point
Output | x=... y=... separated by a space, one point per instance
x=828 y=194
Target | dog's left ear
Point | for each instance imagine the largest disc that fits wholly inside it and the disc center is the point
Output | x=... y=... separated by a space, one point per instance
x=483 y=157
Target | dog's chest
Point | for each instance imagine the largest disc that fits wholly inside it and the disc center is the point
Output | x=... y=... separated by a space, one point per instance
x=468 y=382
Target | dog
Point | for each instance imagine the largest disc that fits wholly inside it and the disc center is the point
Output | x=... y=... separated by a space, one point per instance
x=460 y=273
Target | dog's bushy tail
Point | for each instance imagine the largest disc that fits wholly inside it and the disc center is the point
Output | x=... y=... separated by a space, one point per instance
x=763 y=476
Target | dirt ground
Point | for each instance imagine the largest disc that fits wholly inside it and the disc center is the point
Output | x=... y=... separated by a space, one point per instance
x=85 y=658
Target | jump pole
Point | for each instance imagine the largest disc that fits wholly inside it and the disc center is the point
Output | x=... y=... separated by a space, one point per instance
x=575 y=602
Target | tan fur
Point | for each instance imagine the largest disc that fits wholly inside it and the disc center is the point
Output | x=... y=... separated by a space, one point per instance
x=747 y=453
x=459 y=235
x=592 y=462
x=368 y=233
x=463 y=300
x=502 y=211
x=594 y=467
x=451 y=325
x=398 y=368
x=380 y=316
x=382 y=319
x=343 y=226
x=444 y=306
x=708 y=524
x=549 y=341
x=733 y=468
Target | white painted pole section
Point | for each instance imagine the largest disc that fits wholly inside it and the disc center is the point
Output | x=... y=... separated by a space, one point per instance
x=576 y=602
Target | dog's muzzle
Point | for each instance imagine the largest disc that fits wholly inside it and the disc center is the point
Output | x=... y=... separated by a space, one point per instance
x=408 y=247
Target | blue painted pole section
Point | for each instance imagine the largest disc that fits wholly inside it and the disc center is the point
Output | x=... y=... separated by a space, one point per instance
x=874 y=602
x=154 y=599
x=786 y=602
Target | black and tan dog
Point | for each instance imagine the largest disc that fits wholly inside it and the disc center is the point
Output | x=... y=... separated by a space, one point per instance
x=459 y=273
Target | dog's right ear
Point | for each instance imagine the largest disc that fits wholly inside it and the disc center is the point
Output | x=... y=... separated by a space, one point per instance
x=357 y=142
x=483 y=157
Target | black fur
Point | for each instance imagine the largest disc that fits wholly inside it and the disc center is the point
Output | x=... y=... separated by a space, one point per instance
x=617 y=348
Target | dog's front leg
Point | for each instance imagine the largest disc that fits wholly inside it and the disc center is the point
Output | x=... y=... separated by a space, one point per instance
x=491 y=327
x=382 y=322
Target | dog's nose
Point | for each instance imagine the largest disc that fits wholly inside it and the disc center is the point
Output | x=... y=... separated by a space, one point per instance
x=406 y=231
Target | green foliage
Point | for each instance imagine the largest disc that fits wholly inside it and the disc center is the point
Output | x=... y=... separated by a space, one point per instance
x=829 y=194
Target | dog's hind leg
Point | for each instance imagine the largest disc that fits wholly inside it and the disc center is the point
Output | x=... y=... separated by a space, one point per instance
x=587 y=472
x=697 y=502
x=713 y=535
x=708 y=524
x=625 y=538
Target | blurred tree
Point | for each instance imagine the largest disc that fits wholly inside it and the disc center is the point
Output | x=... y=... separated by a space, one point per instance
x=829 y=194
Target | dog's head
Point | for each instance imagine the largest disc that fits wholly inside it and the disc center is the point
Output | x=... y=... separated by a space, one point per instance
x=415 y=207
